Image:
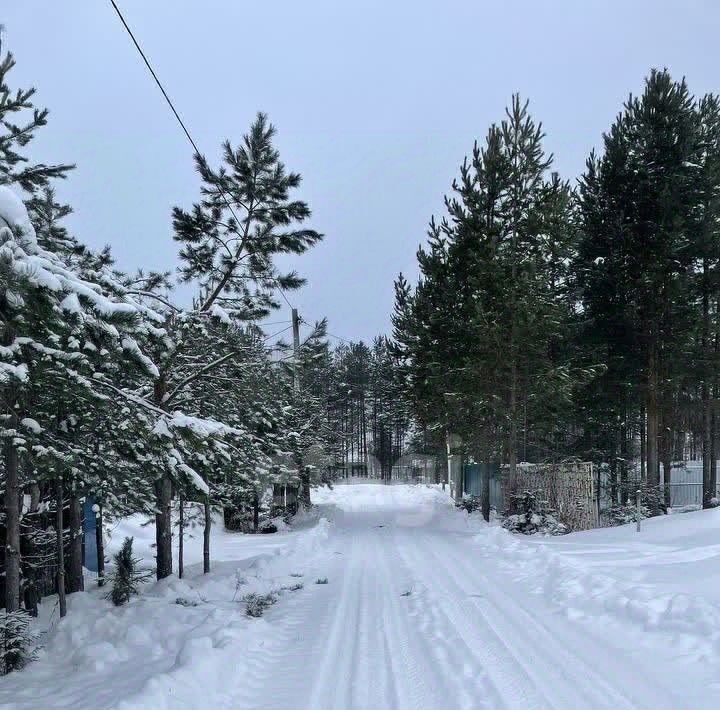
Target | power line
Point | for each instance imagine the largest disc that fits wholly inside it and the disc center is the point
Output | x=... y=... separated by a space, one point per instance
x=194 y=144
x=280 y=332
x=276 y=322
x=155 y=77
x=282 y=293
x=182 y=124
x=337 y=337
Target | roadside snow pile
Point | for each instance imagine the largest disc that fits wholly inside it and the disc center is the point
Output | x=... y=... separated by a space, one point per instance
x=181 y=642
x=530 y=515
x=664 y=579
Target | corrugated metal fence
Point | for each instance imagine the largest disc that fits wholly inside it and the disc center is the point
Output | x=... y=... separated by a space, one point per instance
x=686 y=486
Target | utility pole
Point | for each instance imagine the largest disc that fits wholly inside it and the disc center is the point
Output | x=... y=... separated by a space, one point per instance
x=296 y=351
x=304 y=474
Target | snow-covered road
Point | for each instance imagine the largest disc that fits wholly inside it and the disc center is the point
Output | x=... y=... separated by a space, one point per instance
x=425 y=607
x=417 y=614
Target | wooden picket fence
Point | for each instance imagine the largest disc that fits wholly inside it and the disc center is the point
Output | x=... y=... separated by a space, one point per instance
x=568 y=488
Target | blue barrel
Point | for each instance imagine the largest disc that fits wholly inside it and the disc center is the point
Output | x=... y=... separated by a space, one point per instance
x=89 y=540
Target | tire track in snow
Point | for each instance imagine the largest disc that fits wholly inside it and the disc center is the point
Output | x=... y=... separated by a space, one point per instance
x=419 y=683
x=504 y=683
x=277 y=672
x=453 y=654
x=566 y=668
x=333 y=671
x=458 y=641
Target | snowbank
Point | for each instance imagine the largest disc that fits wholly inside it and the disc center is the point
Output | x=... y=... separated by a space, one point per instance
x=665 y=578
x=181 y=642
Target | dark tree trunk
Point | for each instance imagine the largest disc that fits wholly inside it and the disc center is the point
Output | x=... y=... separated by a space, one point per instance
x=59 y=529
x=667 y=466
x=256 y=511
x=181 y=536
x=713 y=453
x=163 y=503
x=100 y=545
x=713 y=414
x=614 y=477
x=653 y=415
x=163 y=526
x=305 y=485
x=624 y=455
x=12 y=522
x=707 y=447
x=486 y=469
x=75 y=582
x=643 y=445
x=28 y=551
x=206 y=537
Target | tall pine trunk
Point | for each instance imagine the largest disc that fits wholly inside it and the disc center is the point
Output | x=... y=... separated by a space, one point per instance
x=708 y=493
x=206 y=537
x=181 y=536
x=304 y=485
x=163 y=502
x=487 y=465
x=512 y=440
x=100 y=546
x=163 y=526
x=12 y=520
x=713 y=413
x=75 y=582
x=667 y=462
x=28 y=552
x=624 y=455
x=643 y=444
x=653 y=416
x=713 y=452
x=59 y=544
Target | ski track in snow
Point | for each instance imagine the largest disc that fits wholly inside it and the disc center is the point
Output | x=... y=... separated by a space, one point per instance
x=425 y=607
x=465 y=636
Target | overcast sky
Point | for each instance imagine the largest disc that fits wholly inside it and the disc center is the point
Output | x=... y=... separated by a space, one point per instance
x=376 y=104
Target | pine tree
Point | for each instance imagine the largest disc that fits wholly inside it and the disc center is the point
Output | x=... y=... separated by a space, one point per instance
x=485 y=338
x=229 y=240
x=19 y=119
x=637 y=205
x=126 y=577
x=707 y=259
x=245 y=219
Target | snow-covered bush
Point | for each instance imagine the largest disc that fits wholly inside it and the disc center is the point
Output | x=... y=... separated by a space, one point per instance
x=292 y=587
x=182 y=601
x=623 y=514
x=471 y=504
x=528 y=515
x=126 y=578
x=652 y=503
x=255 y=604
x=17 y=641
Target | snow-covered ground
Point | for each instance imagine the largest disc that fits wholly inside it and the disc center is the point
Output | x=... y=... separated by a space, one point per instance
x=425 y=607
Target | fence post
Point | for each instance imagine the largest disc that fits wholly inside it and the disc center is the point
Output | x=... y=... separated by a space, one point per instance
x=637 y=514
